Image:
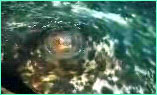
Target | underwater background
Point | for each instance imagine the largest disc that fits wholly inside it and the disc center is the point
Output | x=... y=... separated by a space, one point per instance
x=114 y=47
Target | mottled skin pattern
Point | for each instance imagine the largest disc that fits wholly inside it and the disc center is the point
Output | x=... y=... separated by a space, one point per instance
x=72 y=75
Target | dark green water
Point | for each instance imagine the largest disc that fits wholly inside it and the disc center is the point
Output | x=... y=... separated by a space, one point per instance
x=114 y=47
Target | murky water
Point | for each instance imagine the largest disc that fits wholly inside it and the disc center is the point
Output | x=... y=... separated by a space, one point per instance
x=79 y=47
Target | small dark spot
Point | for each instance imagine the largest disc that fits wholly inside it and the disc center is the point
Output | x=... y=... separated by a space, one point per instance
x=106 y=91
x=91 y=55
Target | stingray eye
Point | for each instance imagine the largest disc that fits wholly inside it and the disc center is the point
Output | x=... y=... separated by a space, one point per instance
x=64 y=44
x=59 y=44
